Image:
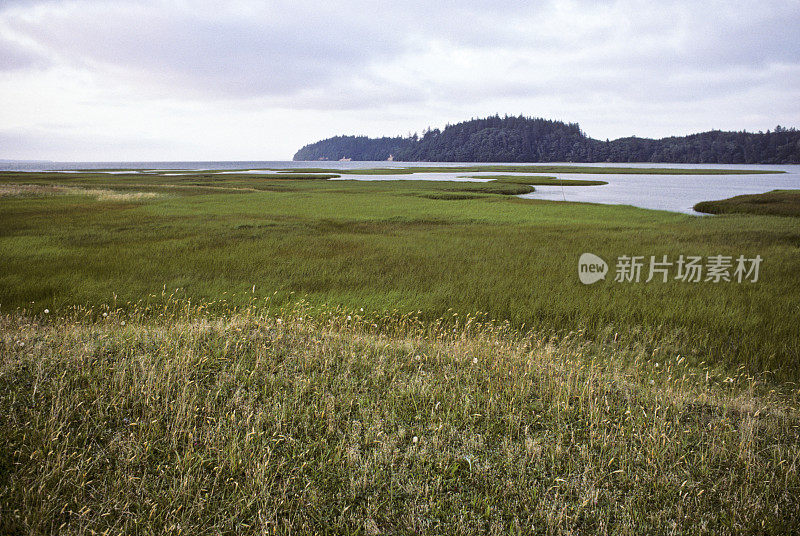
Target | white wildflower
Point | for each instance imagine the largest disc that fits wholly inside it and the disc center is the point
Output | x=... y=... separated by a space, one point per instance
x=415 y=439
x=47 y=311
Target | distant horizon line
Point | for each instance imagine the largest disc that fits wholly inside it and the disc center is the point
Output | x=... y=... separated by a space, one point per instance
x=383 y=162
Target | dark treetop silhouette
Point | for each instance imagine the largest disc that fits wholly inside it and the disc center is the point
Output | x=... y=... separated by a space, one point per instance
x=525 y=139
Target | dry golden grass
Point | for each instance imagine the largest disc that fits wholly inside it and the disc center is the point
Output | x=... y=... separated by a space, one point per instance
x=29 y=190
x=172 y=420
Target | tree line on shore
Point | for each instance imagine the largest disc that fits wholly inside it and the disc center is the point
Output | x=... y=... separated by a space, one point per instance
x=527 y=139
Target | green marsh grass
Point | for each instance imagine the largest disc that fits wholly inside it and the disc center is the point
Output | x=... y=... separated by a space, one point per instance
x=402 y=246
x=534 y=180
x=280 y=356
x=776 y=202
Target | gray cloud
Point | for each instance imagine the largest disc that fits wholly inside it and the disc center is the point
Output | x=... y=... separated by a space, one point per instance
x=13 y=56
x=187 y=50
x=404 y=59
x=250 y=49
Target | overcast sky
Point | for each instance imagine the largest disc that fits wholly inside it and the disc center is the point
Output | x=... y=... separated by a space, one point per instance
x=242 y=79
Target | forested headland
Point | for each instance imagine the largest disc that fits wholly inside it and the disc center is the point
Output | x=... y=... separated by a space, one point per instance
x=526 y=139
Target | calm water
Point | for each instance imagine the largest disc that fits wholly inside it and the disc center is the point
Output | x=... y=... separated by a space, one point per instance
x=677 y=193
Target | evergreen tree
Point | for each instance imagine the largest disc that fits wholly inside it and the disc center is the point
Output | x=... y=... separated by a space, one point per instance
x=524 y=139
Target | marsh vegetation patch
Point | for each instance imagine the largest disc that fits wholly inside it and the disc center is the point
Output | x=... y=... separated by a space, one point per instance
x=38 y=190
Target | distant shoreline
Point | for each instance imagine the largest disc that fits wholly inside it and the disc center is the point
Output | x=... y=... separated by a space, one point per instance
x=210 y=165
x=525 y=139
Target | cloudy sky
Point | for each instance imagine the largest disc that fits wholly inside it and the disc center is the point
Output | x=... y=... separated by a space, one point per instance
x=247 y=79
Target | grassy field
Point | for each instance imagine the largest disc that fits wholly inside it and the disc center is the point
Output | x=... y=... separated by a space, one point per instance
x=251 y=354
x=169 y=419
x=535 y=180
x=432 y=247
x=776 y=202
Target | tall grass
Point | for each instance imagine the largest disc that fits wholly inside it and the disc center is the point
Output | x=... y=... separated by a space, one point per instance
x=405 y=246
x=177 y=417
x=776 y=202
